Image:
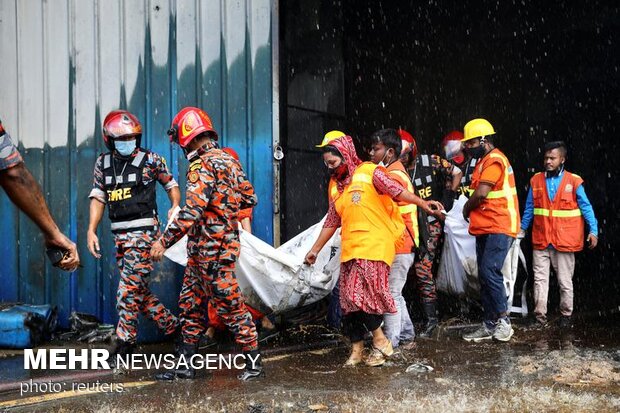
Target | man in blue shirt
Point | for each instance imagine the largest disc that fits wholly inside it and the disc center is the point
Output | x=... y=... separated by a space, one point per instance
x=558 y=206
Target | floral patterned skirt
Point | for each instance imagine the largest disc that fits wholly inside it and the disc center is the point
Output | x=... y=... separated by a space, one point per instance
x=364 y=287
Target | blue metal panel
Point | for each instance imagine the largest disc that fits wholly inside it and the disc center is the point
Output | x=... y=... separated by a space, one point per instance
x=152 y=58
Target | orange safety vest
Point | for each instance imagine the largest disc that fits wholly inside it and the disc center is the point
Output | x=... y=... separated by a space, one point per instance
x=371 y=225
x=409 y=212
x=558 y=222
x=499 y=211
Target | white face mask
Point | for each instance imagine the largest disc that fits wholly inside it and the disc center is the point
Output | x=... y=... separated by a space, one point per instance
x=382 y=163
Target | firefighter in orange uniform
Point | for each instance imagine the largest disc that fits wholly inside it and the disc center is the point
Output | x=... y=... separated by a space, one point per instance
x=217 y=189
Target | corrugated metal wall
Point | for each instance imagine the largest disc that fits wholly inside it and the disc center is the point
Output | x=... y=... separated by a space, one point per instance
x=66 y=63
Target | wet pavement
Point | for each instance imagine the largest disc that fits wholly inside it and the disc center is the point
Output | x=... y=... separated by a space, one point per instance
x=541 y=370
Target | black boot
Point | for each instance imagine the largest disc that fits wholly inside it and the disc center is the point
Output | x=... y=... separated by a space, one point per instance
x=430 y=314
x=122 y=349
x=252 y=370
x=186 y=350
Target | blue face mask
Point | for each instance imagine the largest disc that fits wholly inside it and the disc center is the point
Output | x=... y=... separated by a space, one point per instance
x=125 y=148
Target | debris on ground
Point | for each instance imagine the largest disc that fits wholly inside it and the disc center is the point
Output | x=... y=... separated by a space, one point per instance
x=573 y=368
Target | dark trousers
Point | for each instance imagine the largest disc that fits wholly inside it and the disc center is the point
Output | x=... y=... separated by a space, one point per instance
x=491 y=251
x=334 y=312
x=357 y=324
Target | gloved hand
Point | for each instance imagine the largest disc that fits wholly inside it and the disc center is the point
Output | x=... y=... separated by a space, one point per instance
x=521 y=234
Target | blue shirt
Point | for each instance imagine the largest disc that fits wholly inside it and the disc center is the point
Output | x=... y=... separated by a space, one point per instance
x=552 y=188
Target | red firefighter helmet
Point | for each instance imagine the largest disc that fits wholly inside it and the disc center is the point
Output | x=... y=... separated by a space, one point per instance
x=451 y=145
x=188 y=124
x=455 y=135
x=409 y=143
x=120 y=124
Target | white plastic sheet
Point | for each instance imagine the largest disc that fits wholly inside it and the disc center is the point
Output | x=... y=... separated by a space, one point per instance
x=275 y=279
x=458 y=269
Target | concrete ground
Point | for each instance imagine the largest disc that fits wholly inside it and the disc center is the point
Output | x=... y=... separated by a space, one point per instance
x=539 y=370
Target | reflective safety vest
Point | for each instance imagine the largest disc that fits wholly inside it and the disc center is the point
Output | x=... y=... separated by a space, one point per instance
x=558 y=222
x=499 y=211
x=409 y=212
x=371 y=224
x=468 y=172
x=131 y=204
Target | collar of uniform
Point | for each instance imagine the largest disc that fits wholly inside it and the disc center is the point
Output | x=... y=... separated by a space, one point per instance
x=202 y=150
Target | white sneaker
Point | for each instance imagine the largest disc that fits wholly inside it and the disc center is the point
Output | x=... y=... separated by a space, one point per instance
x=503 y=331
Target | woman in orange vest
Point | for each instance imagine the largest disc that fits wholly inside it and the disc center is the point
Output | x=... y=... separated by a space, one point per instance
x=558 y=204
x=361 y=203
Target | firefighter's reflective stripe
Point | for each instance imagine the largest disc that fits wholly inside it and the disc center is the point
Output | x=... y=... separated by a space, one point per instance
x=137 y=160
x=501 y=193
x=425 y=160
x=571 y=213
x=507 y=192
x=410 y=209
x=136 y=223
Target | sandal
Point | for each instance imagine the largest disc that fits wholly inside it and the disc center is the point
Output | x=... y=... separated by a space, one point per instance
x=353 y=361
x=375 y=359
x=387 y=350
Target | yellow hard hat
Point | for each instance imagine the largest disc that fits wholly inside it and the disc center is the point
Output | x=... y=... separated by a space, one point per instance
x=477 y=128
x=330 y=136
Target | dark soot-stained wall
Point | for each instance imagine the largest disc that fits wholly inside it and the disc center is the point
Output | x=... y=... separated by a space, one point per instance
x=537 y=71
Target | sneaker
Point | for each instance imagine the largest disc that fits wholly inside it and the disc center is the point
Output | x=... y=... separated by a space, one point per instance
x=503 y=331
x=481 y=334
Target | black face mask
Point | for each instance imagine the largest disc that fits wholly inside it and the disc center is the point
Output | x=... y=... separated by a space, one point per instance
x=477 y=152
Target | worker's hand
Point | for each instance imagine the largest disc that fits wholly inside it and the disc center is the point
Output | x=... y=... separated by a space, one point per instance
x=171 y=211
x=521 y=234
x=157 y=250
x=466 y=211
x=592 y=241
x=310 y=258
x=433 y=207
x=71 y=259
x=92 y=242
